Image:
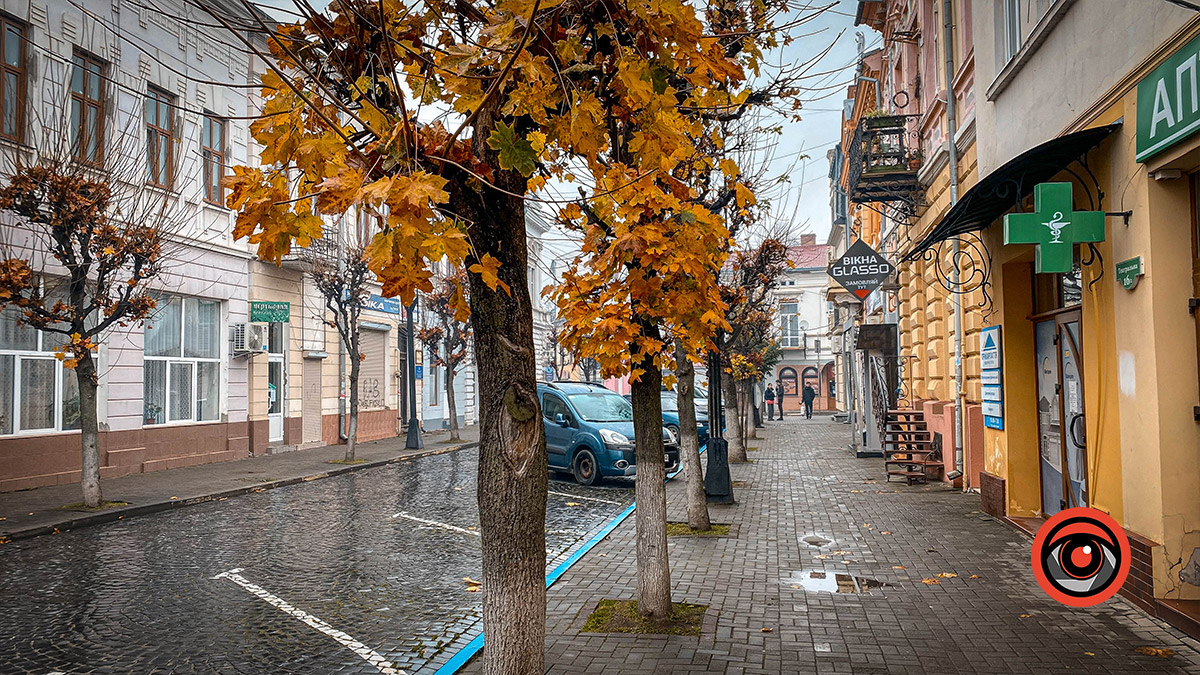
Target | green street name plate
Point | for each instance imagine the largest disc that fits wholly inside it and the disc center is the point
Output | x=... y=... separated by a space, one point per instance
x=1128 y=272
x=262 y=311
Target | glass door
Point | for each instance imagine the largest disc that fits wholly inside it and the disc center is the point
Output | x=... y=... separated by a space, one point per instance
x=1061 y=427
x=1049 y=427
x=276 y=381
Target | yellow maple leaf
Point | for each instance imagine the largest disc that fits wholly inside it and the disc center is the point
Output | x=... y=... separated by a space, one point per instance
x=486 y=268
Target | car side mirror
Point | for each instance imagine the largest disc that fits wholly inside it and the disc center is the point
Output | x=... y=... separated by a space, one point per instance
x=562 y=420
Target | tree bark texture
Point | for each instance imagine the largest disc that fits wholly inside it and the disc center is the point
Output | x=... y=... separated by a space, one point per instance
x=751 y=406
x=653 y=568
x=689 y=442
x=85 y=375
x=454 y=435
x=352 y=417
x=513 y=472
x=733 y=419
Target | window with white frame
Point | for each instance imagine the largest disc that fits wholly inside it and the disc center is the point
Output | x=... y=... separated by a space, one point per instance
x=37 y=394
x=789 y=324
x=1012 y=28
x=182 y=371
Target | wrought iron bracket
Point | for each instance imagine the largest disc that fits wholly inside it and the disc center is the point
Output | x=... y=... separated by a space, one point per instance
x=1125 y=215
x=1193 y=304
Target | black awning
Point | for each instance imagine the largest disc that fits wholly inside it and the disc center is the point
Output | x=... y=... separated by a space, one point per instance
x=1004 y=188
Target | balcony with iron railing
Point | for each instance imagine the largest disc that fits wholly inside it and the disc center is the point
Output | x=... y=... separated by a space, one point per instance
x=324 y=248
x=883 y=161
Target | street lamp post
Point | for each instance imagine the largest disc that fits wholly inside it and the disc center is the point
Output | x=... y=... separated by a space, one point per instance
x=413 y=442
x=718 y=487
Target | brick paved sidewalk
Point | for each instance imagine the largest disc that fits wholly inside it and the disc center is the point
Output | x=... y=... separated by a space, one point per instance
x=31 y=512
x=762 y=620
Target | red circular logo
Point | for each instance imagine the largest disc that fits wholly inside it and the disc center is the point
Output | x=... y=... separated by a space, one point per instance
x=1081 y=557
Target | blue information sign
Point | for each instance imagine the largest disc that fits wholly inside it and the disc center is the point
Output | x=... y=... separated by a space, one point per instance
x=420 y=372
x=990 y=350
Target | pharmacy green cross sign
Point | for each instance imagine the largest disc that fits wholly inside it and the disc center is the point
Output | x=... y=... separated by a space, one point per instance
x=1054 y=227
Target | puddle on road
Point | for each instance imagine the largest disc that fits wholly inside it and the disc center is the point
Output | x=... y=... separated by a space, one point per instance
x=820 y=581
x=816 y=540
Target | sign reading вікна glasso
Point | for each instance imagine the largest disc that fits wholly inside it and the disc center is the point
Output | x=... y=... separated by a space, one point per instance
x=1168 y=102
x=861 y=270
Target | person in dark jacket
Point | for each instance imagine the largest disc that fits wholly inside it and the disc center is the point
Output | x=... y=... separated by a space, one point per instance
x=809 y=396
x=769 y=398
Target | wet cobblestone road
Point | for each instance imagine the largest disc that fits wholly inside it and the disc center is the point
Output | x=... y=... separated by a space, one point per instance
x=332 y=563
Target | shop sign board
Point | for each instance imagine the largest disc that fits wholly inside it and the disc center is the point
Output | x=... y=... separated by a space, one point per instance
x=1128 y=272
x=861 y=270
x=1168 y=102
x=262 y=311
x=379 y=303
x=990 y=350
x=1054 y=228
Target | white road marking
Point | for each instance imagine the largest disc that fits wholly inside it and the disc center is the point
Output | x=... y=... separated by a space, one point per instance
x=369 y=655
x=434 y=523
x=590 y=499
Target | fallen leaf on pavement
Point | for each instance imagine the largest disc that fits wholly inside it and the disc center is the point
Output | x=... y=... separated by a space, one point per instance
x=885 y=532
x=793 y=585
x=1026 y=616
x=898 y=567
x=854 y=491
x=471 y=582
x=823 y=557
x=946 y=575
x=768 y=630
x=572 y=503
x=1089 y=654
x=1161 y=652
x=974 y=576
x=930 y=582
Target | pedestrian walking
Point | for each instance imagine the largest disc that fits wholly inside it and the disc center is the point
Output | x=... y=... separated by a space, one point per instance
x=769 y=397
x=809 y=396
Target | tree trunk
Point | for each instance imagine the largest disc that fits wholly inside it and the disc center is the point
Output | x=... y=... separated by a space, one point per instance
x=653 y=570
x=512 y=446
x=85 y=375
x=352 y=432
x=689 y=443
x=733 y=426
x=751 y=425
x=454 y=435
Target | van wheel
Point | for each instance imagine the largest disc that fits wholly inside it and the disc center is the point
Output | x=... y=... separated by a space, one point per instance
x=587 y=471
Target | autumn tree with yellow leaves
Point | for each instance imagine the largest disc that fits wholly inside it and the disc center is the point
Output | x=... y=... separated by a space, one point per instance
x=442 y=119
x=449 y=337
x=75 y=265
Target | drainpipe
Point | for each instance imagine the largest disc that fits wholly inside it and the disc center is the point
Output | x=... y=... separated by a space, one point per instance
x=848 y=350
x=341 y=261
x=951 y=130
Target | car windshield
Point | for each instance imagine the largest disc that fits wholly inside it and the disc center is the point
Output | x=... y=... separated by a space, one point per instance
x=670 y=403
x=602 y=407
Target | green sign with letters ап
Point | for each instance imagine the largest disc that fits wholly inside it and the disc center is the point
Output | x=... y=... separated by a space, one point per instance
x=1168 y=102
x=1054 y=227
x=262 y=311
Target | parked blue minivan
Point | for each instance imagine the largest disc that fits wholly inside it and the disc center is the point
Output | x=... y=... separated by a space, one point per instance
x=589 y=432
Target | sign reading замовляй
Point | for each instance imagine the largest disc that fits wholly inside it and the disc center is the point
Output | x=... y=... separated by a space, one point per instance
x=861 y=270
x=1168 y=102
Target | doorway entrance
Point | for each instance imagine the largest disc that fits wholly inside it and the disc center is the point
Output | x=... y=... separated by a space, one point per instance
x=1061 y=428
x=276 y=380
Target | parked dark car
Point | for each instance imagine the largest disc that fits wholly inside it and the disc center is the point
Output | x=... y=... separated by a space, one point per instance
x=670 y=415
x=589 y=432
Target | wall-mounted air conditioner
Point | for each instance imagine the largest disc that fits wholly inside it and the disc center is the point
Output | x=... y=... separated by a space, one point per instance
x=249 y=338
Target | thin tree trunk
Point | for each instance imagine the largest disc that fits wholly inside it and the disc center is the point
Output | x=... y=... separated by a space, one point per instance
x=689 y=443
x=733 y=426
x=85 y=375
x=512 y=446
x=352 y=432
x=454 y=435
x=653 y=569
x=751 y=409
